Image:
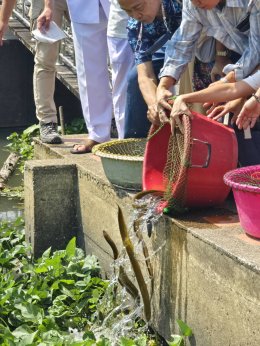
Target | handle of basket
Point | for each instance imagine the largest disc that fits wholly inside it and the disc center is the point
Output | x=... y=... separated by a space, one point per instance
x=207 y=160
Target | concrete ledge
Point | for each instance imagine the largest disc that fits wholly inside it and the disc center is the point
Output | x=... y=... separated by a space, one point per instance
x=207 y=269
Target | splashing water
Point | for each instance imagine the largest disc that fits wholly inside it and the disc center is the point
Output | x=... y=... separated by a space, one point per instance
x=120 y=314
x=146 y=210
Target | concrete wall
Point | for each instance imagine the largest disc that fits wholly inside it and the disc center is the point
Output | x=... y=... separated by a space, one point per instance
x=50 y=204
x=218 y=297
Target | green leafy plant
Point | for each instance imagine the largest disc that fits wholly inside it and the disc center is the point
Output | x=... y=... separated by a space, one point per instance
x=52 y=300
x=13 y=192
x=180 y=340
x=77 y=125
x=40 y=300
x=22 y=144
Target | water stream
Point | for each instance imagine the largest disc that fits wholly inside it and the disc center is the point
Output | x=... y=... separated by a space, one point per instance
x=124 y=313
x=10 y=209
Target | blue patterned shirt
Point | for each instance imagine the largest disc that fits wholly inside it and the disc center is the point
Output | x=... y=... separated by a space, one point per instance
x=220 y=24
x=152 y=32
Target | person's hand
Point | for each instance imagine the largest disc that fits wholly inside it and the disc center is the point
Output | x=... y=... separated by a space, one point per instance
x=220 y=111
x=249 y=114
x=217 y=70
x=179 y=108
x=44 y=19
x=162 y=95
x=3 y=28
x=163 y=107
x=210 y=106
x=229 y=78
x=152 y=114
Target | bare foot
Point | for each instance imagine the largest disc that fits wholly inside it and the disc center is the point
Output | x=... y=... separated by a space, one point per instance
x=84 y=147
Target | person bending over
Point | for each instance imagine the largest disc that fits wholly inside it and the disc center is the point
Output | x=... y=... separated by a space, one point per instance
x=153 y=22
x=233 y=23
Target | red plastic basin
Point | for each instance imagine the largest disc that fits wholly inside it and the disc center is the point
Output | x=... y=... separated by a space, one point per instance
x=214 y=152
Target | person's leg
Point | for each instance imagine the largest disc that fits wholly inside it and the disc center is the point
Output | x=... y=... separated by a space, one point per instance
x=90 y=43
x=136 y=123
x=44 y=82
x=121 y=60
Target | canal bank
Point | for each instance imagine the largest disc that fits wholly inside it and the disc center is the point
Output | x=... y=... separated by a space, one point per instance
x=10 y=208
x=206 y=273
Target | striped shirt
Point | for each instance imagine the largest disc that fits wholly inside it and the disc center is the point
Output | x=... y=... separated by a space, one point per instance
x=254 y=80
x=220 y=24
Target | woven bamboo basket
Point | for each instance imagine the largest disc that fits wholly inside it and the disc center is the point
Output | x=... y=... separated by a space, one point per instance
x=122 y=161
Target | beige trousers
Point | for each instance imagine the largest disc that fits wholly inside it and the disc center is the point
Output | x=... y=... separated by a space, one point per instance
x=45 y=59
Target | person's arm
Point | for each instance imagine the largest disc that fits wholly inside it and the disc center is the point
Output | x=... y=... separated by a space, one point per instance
x=43 y=21
x=251 y=56
x=250 y=112
x=148 y=85
x=146 y=78
x=253 y=81
x=218 y=93
x=180 y=49
x=233 y=106
x=5 y=13
x=178 y=54
x=219 y=111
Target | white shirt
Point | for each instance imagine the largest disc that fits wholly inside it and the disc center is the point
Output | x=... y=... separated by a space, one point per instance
x=117 y=21
x=254 y=80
